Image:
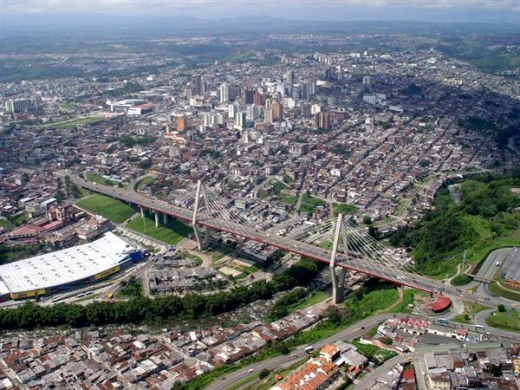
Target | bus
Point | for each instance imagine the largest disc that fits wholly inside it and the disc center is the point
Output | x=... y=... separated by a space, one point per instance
x=80 y=295
x=442 y=321
x=309 y=349
x=479 y=327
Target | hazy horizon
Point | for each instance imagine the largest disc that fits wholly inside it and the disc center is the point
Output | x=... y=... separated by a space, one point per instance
x=467 y=11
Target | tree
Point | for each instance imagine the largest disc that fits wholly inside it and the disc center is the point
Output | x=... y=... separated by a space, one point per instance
x=336 y=314
x=373 y=231
x=145 y=164
x=367 y=220
x=264 y=373
x=501 y=308
x=494 y=370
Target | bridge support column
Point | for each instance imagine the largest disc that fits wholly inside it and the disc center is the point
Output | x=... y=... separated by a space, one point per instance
x=165 y=219
x=338 y=278
x=201 y=237
x=156 y=219
x=142 y=213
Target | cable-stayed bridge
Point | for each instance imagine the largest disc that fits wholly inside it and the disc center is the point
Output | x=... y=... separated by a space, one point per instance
x=338 y=242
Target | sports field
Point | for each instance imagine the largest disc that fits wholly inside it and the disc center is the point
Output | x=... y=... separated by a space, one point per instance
x=110 y=208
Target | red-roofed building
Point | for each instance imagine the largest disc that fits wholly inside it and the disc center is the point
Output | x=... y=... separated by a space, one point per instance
x=26 y=231
x=329 y=352
x=408 y=375
x=440 y=303
x=317 y=374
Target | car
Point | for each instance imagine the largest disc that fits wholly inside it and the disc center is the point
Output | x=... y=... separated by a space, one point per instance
x=251 y=370
x=294 y=355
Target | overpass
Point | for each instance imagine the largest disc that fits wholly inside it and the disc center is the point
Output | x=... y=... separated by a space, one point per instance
x=350 y=249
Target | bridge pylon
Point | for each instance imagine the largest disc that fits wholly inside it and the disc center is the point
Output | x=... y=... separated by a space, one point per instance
x=202 y=237
x=338 y=277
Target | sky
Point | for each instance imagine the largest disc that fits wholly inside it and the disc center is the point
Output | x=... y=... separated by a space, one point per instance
x=420 y=10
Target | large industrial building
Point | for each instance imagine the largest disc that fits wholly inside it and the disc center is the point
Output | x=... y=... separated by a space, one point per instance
x=70 y=268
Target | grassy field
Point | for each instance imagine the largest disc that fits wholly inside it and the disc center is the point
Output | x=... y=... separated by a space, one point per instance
x=187 y=255
x=309 y=203
x=20 y=219
x=71 y=123
x=288 y=199
x=5 y=224
x=497 y=289
x=278 y=186
x=171 y=234
x=374 y=353
x=101 y=180
x=312 y=299
x=508 y=320
x=110 y=208
x=470 y=309
x=343 y=208
x=147 y=180
x=373 y=301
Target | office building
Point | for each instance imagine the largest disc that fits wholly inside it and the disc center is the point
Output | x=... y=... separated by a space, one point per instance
x=181 y=123
x=240 y=120
x=258 y=99
x=277 y=112
x=233 y=110
x=268 y=115
x=224 y=93
x=18 y=105
x=233 y=92
x=196 y=85
x=250 y=94
x=322 y=120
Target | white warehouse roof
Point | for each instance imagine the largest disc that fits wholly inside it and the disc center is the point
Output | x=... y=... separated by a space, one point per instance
x=65 y=266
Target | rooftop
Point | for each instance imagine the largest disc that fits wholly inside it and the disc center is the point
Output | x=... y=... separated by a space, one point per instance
x=65 y=266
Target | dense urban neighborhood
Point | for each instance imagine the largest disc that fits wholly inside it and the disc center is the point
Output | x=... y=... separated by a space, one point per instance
x=285 y=133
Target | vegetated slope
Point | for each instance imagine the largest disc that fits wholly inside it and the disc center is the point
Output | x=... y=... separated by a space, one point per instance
x=486 y=217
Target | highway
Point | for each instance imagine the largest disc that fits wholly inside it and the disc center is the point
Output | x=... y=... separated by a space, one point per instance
x=369 y=267
x=366 y=266
x=349 y=333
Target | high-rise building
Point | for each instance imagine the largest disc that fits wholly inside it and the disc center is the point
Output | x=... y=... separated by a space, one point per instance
x=250 y=94
x=18 y=105
x=181 y=123
x=240 y=120
x=322 y=120
x=224 y=93
x=196 y=85
x=305 y=110
x=253 y=112
x=233 y=92
x=258 y=99
x=289 y=77
x=277 y=112
x=233 y=110
x=268 y=115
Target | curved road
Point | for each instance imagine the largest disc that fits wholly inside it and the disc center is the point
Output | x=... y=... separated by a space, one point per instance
x=351 y=332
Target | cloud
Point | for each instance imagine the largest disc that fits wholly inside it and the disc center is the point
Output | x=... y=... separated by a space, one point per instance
x=46 y=6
